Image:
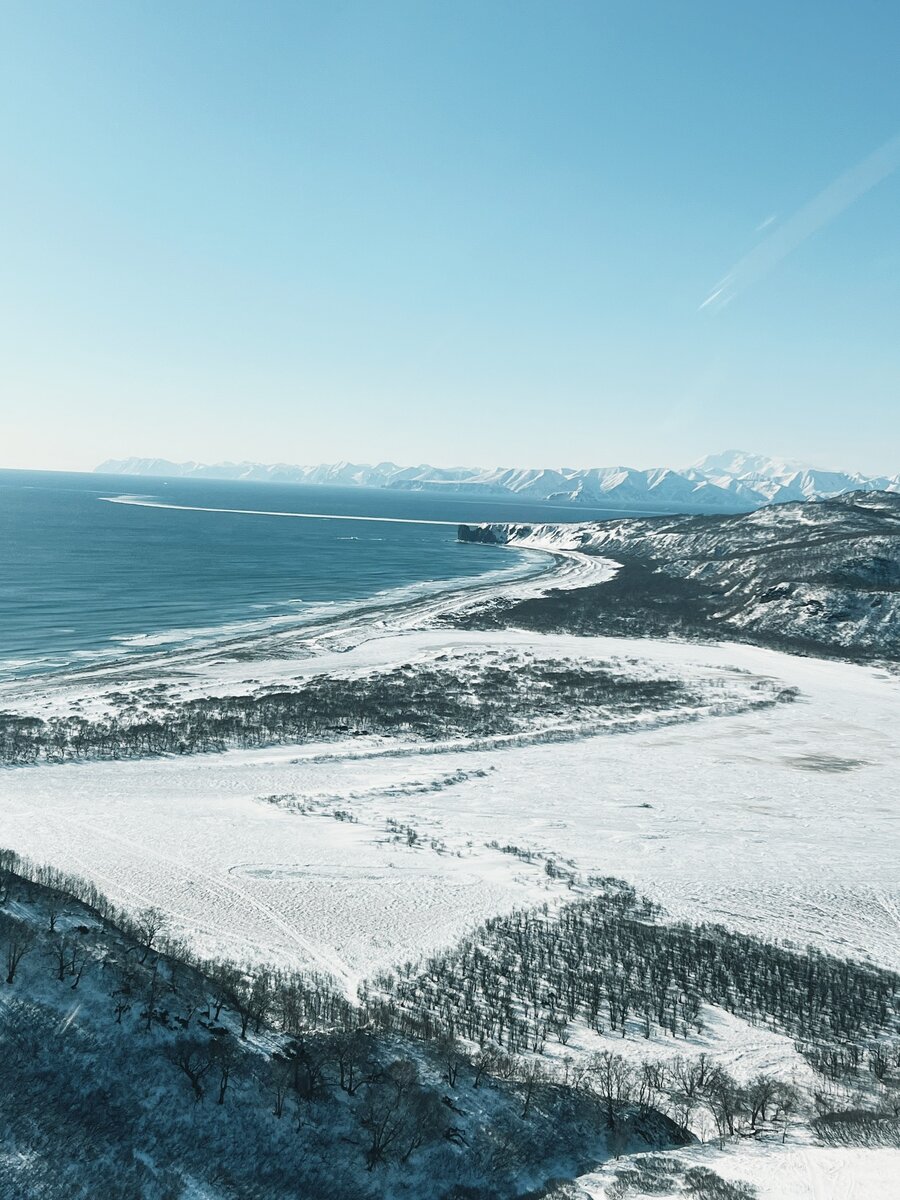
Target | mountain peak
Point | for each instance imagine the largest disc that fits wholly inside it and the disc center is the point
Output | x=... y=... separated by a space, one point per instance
x=737 y=463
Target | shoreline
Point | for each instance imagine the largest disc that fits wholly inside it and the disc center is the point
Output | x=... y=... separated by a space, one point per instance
x=278 y=641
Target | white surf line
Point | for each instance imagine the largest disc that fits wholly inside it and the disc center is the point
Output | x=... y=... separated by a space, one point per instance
x=263 y=512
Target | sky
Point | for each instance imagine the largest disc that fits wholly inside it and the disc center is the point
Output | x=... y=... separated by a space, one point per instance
x=492 y=233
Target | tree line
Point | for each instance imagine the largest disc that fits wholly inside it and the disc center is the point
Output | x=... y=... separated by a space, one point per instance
x=425 y=702
x=522 y=979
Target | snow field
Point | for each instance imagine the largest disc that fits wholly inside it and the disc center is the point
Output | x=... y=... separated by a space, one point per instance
x=780 y=821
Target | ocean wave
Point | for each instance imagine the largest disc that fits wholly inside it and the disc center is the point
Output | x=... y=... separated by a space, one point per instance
x=21 y=664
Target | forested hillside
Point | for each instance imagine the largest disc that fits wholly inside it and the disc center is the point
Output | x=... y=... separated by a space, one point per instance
x=819 y=577
x=130 y=1069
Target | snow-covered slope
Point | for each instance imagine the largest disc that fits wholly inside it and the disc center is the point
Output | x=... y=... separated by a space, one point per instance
x=822 y=576
x=730 y=482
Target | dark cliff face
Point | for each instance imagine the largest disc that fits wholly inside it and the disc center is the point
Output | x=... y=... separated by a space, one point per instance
x=491 y=535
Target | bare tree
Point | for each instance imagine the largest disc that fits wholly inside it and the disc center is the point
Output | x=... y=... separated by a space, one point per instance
x=221 y=983
x=193 y=1058
x=452 y=1057
x=426 y=1120
x=19 y=939
x=281 y=1078
x=397 y=1114
x=611 y=1079
x=224 y=1061
x=354 y=1055
x=55 y=905
x=9 y=861
x=154 y=988
x=726 y=1100
x=251 y=999
x=484 y=1063
x=762 y=1095
x=148 y=929
x=531 y=1075
x=59 y=954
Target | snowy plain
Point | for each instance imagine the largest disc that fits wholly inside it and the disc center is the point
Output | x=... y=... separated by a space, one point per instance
x=780 y=821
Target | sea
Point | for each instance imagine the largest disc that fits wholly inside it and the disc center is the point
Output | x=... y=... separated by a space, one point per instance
x=94 y=567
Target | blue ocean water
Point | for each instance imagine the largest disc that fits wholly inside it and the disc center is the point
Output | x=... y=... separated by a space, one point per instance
x=84 y=579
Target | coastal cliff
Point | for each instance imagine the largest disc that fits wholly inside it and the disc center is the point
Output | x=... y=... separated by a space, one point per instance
x=585 y=538
x=819 y=578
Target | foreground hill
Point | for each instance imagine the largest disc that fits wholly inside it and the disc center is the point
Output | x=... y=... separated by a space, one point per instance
x=816 y=578
x=546 y=1043
x=133 y=1071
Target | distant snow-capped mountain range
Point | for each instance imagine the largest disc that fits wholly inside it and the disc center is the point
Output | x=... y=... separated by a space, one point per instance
x=733 y=481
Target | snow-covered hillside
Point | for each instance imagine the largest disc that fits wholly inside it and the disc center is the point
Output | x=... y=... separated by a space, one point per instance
x=730 y=482
x=821 y=577
x=131 y=1071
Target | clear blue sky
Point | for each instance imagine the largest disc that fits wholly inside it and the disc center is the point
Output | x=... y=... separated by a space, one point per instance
x=453 y=232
